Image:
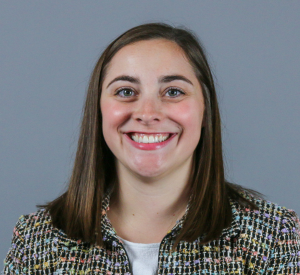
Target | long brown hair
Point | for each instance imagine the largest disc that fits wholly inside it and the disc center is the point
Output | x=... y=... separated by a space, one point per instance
x=78 y=211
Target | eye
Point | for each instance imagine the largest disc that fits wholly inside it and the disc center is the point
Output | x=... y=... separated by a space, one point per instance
x=174 y=92
x=125 y=92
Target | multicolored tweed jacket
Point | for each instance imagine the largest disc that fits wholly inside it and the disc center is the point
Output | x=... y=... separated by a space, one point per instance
x=264 y=241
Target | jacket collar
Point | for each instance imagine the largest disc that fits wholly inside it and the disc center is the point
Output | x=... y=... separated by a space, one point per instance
x=235 y=227
x=107 y=230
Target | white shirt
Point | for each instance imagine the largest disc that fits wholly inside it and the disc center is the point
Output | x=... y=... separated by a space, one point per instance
x=143 y=257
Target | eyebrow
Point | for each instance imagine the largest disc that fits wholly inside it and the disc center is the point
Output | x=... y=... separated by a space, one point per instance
x=163 y=79
x=124 y=78
x=170 y=78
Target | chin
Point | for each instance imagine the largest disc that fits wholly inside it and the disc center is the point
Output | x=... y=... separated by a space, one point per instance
x=149 y=173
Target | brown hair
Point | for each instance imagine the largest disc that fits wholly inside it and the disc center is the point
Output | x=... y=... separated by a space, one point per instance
x=78 y=210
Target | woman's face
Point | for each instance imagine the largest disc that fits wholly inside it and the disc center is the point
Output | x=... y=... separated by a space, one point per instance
x=152 y=108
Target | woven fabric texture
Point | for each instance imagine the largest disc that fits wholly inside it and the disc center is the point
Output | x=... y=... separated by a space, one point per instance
x=263 y=241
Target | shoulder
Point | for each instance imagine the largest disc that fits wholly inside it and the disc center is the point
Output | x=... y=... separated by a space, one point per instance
x=269 y=237
x=33 y=234
x=31 y=221
x=30 y=227
x=269 y=220
x=269 y=211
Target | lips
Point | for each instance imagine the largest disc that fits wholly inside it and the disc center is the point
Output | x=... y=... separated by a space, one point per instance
x=149 y=138
x=149 y=141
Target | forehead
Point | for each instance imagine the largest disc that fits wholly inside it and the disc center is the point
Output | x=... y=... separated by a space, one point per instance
x=151 y=46
x=156 y=55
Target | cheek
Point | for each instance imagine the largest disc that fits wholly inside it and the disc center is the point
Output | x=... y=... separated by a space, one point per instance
x=190 y=116
x=114 y=114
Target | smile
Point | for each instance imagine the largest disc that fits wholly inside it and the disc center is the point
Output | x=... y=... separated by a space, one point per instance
x=149 y=138
x=147 y=141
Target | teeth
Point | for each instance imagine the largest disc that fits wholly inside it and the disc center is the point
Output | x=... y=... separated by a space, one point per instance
x=151 y=139
x=145 y=139
x=135 y=138
x=142 y=138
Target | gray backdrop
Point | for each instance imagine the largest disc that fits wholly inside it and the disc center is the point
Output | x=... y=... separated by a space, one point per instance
x=48 y=49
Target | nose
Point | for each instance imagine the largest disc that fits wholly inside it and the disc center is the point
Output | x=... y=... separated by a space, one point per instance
x=148 y=111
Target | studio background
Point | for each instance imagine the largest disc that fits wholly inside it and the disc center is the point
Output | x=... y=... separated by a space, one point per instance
x=48 y=50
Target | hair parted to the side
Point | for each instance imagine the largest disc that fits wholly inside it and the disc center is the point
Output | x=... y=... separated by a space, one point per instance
x=78 y=211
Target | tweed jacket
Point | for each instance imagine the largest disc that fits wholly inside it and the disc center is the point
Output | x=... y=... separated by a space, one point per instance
x=263 y=241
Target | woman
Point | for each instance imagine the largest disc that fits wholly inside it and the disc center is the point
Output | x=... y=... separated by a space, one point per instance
x=147 y=194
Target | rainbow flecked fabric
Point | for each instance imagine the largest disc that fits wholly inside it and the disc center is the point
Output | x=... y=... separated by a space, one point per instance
x=264 y=241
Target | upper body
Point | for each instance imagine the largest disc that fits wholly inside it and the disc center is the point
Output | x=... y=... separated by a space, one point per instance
x=263 y=241
x=151 y=138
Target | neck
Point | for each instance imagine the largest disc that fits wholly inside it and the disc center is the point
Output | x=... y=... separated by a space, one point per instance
x=138 y=204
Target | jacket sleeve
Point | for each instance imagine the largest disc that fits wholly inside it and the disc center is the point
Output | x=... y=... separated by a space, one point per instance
x=13 y=261
x=285 y=257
